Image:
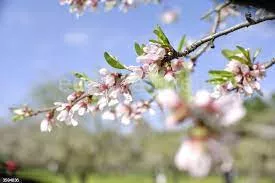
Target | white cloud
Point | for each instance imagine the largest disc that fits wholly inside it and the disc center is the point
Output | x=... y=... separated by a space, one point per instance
x=76 y=38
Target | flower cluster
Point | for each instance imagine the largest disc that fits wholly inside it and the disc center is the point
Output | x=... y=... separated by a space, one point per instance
x=153 y=61
x=202 y=150
x=46 y=124
x=246 y=79
x=127 y=112
x=241 y=74
x=198 y=156
x=223 y=111
x=79 y=6
x=111 y=88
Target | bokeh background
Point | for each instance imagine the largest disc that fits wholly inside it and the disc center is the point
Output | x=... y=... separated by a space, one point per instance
x=42 y=44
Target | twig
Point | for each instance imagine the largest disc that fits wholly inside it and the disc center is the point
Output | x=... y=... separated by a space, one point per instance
x=270 y=63
x=214 y=29
x=206 y=39
x=49 y=109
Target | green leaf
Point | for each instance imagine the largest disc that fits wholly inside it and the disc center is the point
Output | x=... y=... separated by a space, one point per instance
x=240 y=59
x=112 y=61
x=17 y=118
x=162 y=37
x=81 y=76
x=229 y=53
x=138 y=49
x=220 y=74
x=155 y=41
x=182 y=43
x=257 y=52
x=217 y=81
x=245 y=53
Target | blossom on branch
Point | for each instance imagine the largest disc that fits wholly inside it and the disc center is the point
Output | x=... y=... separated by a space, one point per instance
x=153 y=53
x=241 y=74
x=79 y=6
x=198 y=156
x=65 y=113
x=46 y=124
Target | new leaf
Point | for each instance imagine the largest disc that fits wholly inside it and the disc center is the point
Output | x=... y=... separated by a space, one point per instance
x=112 y=61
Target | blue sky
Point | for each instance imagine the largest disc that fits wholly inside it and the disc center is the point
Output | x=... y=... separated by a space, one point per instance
x=41 y=40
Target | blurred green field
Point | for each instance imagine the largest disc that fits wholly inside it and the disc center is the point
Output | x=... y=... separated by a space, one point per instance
x=46 y=177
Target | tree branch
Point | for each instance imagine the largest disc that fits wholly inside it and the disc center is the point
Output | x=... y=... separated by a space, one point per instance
x=214 y=29
x=53 y=108
x=200 y=42
x=270 y=63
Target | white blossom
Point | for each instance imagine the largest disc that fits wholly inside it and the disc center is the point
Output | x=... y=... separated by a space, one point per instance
x=231 y=109
x=224 y=111
x=168 y=98
x=169 y=16
x=246 y=78
x=108 y=115
x=202 y=98
x=65 y=113
x=132 y=111
x=193 y=158
x=83 y=107
x=153 y=52
x=136 y=74
x=46 y=125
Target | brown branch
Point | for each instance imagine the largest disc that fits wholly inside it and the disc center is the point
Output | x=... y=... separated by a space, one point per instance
x=49 y=109
x=270 y=63
x=206 y=39
x=214 y=29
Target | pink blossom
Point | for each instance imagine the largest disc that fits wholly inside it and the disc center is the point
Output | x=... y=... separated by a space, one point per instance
x=224 y=111
x=168 y=98
x=133 y=111
x=153 y=52
x=108 y=115
x=169 y=16
x=65 y=113
x=83 y=107
x=46 y=125
x=246 y=78
x=193 y=158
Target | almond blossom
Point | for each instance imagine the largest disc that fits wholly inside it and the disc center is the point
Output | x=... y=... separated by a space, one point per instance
x=193 y=158
x=171 y=70
x=79 y=6
x=46 y=124
x=179 y=110
x=169 y=16
x=246 y=78
x=198 y=156
x=224 y=111
x=23 y=112
x=168 y=98
x=83 y=107
x=111 y=88
x=153 y=52
x=65 y=113
x=132 y=111
x=72 y=97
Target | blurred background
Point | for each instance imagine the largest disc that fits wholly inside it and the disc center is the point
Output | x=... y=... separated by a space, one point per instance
x=42 y=44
